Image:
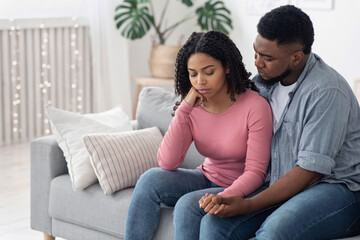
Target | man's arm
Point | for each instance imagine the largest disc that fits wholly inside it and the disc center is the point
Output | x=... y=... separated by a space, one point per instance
x=286 y=187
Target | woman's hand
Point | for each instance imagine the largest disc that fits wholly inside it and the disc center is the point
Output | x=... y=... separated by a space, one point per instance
x=194 y=98
x=208 y=204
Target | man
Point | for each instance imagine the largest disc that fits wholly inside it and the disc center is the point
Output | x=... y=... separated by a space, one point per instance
x=314 y=190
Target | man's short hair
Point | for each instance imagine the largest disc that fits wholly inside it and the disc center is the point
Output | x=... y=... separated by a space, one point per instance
x=287 y=24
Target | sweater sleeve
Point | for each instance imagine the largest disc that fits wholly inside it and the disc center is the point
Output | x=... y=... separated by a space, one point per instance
x=258 y=151
x=177 y=139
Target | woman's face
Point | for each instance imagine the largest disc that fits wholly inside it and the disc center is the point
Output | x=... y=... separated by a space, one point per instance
x=207 y=75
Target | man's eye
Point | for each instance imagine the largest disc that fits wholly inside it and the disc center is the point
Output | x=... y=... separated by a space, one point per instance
x=268 y=59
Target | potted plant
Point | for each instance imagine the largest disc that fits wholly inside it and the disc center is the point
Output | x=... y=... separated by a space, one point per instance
x=135 y=18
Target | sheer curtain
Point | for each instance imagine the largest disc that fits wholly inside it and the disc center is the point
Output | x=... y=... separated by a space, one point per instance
x=110 y=58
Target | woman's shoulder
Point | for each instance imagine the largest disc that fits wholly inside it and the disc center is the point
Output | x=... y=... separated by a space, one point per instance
x=253 y=103
x=255 y=106
x=252 y=97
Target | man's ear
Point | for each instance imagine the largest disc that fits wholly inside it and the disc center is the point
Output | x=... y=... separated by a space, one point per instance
x=296 y=57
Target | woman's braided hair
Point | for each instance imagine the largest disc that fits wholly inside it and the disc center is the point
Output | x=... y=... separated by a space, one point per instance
x=221 y=47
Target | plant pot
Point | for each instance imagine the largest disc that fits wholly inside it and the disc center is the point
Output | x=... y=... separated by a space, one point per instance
x=162 y=61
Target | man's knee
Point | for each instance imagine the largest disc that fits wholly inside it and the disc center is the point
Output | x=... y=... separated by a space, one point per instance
x=278 y=225
x=209 y=228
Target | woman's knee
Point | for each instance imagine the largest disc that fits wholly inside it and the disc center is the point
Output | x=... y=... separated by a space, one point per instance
x=148 y=177
x=188 y=205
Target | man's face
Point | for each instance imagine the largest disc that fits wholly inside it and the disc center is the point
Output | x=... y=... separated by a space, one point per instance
x=272 y=61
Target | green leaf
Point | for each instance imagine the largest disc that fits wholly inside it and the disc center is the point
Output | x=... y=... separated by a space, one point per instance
x=188 y=3
x=133 y=19
x=214 y=16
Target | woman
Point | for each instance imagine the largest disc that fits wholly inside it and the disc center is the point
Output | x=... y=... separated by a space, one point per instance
x=231 y=126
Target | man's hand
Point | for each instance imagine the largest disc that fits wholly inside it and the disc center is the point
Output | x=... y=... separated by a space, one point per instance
x=224 y=207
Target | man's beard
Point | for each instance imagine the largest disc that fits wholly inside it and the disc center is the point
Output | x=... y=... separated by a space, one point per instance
x=280 y=78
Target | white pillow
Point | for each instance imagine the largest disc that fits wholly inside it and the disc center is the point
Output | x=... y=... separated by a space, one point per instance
x=120 y=158
x=69 y=128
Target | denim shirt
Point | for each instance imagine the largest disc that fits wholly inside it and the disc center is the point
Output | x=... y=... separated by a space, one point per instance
x=319 y=129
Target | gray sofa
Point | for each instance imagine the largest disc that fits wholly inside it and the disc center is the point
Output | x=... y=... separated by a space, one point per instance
x=89 y=214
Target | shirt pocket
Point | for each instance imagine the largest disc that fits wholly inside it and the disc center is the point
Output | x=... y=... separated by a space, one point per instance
x=289 y=140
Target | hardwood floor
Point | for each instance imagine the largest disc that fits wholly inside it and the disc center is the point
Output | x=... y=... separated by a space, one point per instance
x=15 y=194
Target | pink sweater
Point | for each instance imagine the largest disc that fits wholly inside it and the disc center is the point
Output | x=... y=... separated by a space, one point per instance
x=236 y=143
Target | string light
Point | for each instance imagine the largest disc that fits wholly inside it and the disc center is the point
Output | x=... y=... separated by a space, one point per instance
x=74 y=66
x=45 y=83
x=14 y=34
x=44 y=71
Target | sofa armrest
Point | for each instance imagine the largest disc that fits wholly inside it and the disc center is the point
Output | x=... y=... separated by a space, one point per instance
x=47 y=162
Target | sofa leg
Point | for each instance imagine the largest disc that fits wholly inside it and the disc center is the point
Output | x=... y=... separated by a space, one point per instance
x=48 y=237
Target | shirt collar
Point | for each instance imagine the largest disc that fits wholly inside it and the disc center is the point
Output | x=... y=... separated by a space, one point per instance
x=308 y=66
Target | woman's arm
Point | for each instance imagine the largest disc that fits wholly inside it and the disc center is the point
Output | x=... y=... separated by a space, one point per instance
x=259 y=122
x=177 y=140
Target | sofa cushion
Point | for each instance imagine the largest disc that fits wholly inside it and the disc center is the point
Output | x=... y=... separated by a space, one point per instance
x=69 y=127
x=154 y=109
x=91 y=209
x=120 y=158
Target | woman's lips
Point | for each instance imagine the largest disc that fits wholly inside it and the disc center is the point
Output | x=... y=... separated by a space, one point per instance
x=203 y=91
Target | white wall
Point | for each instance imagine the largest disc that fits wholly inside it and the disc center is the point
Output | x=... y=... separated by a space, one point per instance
x=42 y=8
x=337 y=35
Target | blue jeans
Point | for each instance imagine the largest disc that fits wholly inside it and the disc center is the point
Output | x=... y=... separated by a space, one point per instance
x=323 y=211
x=158 y=186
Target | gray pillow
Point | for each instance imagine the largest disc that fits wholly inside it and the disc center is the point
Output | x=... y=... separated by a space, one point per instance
x=154 y=109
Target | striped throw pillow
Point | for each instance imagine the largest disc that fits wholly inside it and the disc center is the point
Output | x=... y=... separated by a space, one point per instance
x=119 y=159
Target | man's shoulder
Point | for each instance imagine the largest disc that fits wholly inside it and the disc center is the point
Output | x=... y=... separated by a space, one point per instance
x=323 y=78
x=321 y=75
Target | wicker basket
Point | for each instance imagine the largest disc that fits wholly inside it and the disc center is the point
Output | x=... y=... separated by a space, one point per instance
x=162 y=61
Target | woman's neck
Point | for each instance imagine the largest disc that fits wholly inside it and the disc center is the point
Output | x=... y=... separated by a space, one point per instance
x=219 y=105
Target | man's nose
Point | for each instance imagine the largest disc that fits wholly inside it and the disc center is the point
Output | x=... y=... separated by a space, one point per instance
x=259 y=62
